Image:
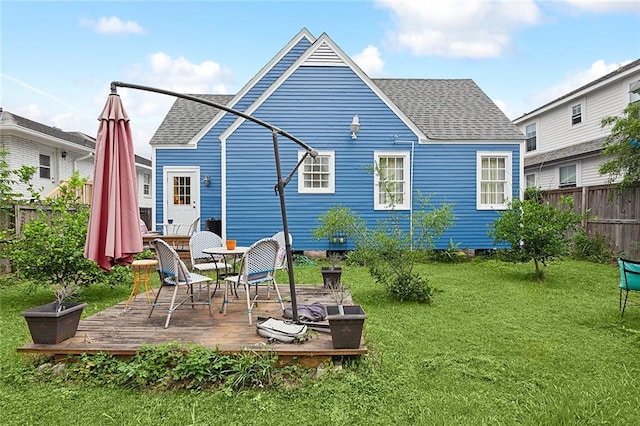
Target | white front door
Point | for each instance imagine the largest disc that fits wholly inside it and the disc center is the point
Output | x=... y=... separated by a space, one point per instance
x=181 y=196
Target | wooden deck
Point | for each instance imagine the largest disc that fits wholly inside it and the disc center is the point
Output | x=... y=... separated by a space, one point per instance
x=121 y=331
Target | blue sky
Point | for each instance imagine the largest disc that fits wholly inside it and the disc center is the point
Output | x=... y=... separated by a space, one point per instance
x=58 y=58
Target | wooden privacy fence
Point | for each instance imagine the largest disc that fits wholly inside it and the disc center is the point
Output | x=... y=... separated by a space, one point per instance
x=613 y=214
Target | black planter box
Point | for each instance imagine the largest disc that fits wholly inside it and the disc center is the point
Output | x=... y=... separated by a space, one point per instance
x=331 y=277
x=346 y=330
x=49 y=327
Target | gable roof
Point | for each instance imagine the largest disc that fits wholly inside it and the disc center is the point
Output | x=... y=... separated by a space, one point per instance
x=450 y=109
x=600 y=81
x=82 y=140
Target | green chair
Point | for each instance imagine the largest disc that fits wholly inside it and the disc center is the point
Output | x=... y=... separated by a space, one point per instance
x=629 y=279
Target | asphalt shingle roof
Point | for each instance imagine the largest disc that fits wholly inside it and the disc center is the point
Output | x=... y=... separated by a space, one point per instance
x=443 y=109
x=186 y=118
x=450 y=109
x=590 y=147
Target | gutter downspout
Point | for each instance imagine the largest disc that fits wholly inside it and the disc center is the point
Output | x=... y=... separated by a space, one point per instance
x=410 y=189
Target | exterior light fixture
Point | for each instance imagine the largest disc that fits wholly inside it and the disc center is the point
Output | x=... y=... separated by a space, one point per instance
x=355 y=127
x=64 y=154
x=206 y=180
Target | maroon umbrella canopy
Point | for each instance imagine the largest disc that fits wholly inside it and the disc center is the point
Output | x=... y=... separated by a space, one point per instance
x=114 y=225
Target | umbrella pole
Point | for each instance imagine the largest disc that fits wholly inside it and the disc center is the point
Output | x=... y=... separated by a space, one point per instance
x=279 y=186
x=285 y=227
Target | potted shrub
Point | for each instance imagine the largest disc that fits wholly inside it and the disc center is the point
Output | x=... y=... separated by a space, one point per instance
x=345 y=321
x=50 y=252
x=336 y=225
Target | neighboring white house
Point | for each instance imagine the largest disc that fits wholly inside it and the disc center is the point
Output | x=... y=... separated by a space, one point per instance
x=564 y=136
x=57 y=154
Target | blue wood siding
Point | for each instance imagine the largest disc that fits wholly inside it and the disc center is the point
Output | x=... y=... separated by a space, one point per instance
x=208 y=154
x=317 y=104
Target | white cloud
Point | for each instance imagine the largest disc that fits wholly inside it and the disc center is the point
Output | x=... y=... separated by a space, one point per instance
x=147 y=109
x=574 y=80
x=458 y=28
x=112 y=25
x=605 y=5
x=370 y=61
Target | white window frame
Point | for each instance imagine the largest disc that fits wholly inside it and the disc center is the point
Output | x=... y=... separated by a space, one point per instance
x=526 y=180
x=146 y=184
x=406 y=193
x=581 y=115
x=331 y=187
x=633 y=97
x=42 y=167
x=577 y=183
x=534 y=136
x=508 y=179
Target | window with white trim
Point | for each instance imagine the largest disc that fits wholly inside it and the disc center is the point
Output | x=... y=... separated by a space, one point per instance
x=45 y=166
x=568 y=176
x=392 y=186
x=494 y=180
x=317 y=175
x=530 y=131
x=530 y=179
x=146 y=184
x=634 y=97
x=576 y=114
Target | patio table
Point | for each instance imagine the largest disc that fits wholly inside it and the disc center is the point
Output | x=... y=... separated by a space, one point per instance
x=223 y=251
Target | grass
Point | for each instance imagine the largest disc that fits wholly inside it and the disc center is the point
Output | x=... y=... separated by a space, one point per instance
x=494 y=348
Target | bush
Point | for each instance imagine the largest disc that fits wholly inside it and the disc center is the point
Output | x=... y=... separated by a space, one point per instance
x=593 y=248
x=410 y=287
x=451 y=254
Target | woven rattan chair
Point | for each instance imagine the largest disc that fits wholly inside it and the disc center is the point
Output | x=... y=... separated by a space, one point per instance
x=258 y=267
x=202 y=262
x=173 y=272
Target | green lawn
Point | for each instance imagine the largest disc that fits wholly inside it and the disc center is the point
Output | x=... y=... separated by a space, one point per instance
x=494 y=348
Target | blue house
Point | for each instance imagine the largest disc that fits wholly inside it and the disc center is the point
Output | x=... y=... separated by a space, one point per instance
x=440 y=137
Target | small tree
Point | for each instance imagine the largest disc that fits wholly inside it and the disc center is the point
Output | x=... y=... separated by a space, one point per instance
x=9 y=179
x=536 y=230
x=51 y=250
x=337 y=221
x=623 y=147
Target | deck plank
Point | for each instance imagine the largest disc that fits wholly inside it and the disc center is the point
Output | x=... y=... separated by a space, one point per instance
x=122 y=331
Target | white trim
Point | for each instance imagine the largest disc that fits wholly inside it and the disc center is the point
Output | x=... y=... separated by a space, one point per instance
x=578 y=172
x=508 y=177
x=303 y=34
x=579 y=94
x=324 y=38
x=406 y=205
x=472 y=141
x=332 y=175
x=165 y=184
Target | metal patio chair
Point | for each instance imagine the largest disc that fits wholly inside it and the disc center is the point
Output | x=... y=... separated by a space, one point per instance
x=258 y=266
x=173 y=272
x=629 y=279
x=203 y=262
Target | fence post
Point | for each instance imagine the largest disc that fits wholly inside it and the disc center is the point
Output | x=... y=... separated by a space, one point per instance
x=585 y=204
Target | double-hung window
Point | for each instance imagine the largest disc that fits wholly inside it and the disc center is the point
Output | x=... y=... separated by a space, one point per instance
x=493 y=179
x=392 y=186
x=530 y=130
x=146 y=184
x=568 y=176
x=530 y=180
x=576 y=114
x=45 y=166
x=317 y=175
x=634 y=91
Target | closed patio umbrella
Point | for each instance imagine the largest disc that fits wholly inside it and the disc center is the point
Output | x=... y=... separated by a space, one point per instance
x=114 y=234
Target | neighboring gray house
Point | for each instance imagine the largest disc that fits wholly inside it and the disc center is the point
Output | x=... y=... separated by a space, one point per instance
x=442 y=137
x=564 y=136
x=57 y=154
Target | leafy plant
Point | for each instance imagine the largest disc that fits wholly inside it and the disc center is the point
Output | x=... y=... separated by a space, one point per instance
x=594 y=248
x=51 y=250
x=452 y=254
x=337 y=222
x=391 y=252
x=622 y=147
x=536 y=230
